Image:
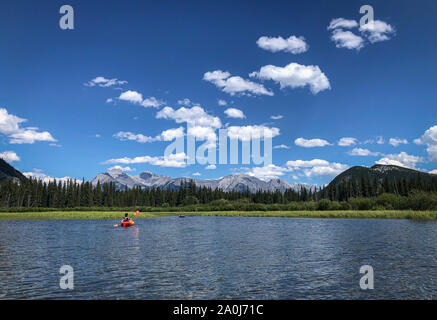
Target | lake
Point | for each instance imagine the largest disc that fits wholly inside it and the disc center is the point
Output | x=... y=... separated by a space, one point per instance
x=219 y=258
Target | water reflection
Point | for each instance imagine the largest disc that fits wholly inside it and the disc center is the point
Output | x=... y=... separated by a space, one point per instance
x=218 y=257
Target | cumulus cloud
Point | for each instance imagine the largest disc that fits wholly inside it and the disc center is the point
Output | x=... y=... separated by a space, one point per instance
x=184 y=102
x=135 y=97
x=10 y=125
x=347 y=142
x=195 y=116
x=166 y=135
x=278 y=117
x=234 y=113
x=342 y=23
x=281 y=146
x=362 y=152
x=123 y=136
x=402 y=159
x=222 y=102
x=176 y=160
x=268 y=172
x=377 y=31
x=433 y=172
x=246 y=133
x=211 y=167
x=9 y=156
x=429 y=138
x=317 y=167
x=347 y=39
x=120 y=168
x=396 y=141
x=197 y=174
x=201 y=124
x=103 y=82
x=235 y=84
x=292 y=44
x=311 y=143
x=295 y=75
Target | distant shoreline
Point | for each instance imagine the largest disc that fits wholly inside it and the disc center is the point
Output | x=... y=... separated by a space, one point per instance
x=114 y=215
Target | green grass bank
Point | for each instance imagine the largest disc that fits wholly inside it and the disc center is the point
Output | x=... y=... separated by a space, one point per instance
x=341 y=214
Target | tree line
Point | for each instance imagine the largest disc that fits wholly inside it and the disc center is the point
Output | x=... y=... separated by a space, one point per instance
x=356 y=194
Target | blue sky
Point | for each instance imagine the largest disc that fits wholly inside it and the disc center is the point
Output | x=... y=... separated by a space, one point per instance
x=341 y=82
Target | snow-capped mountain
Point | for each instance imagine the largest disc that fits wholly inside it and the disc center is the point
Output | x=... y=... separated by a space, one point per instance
x=236 y=182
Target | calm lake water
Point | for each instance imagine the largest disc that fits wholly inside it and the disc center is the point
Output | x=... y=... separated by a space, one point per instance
x=219 y=258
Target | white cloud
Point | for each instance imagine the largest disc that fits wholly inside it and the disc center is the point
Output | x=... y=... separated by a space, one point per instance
x=311 y=143
x=109 y=100
x=222 y=102
x=10 y=125
x=317 y=167
x=170 y=134
x=402 y=159
x=234 y=113
x=174 y=160
x=281 y=146
x=235 y=84
x=124 y=169
x=307 y=163
x=433 y=171
x=166 y=135
x=195 y=116
x=211 y=167
x=268 y=172
x=246 y=133
x=292 y=44
x=201 y=125
x=342 y=23
x=197 y=174
x=429 y=138
x=347 y=39
x=396 y=141
x=103 y=82
x=278 y=117
x=9 y=156
x=362 y=152
x=184 y=102
x=135 y=97
x=380 y=140
x=347 y=142
x=295 y=75
x=377 y=31
x=131 y=96
x=123 y=136
x=39 y=175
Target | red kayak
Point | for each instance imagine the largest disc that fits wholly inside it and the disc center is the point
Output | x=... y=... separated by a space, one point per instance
x=129 y=223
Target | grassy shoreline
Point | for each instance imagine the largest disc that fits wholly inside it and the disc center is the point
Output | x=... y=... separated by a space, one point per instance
x=110 y=215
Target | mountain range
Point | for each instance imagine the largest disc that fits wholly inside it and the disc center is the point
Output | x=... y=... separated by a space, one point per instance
x=236 y=182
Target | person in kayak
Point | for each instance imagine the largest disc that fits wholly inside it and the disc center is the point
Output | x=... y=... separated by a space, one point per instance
x=126 y=218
